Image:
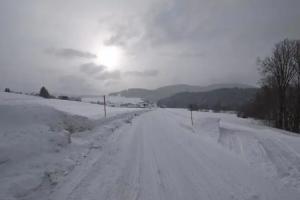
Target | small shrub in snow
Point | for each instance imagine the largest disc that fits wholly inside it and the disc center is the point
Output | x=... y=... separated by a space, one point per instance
x=64 y=97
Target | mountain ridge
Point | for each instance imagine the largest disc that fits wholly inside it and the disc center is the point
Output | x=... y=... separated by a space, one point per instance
x=169 y=90
x=219 y=99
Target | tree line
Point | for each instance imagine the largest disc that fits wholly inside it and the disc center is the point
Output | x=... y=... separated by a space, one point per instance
x=278 y=100
x=45 y=94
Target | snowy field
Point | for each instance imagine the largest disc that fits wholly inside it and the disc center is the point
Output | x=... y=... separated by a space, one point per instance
x=138 y=155
x=72 y=107
x=114 y=100
x=42 y=140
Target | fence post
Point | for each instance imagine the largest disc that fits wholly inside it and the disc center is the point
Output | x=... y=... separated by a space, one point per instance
x=192 y=118
x=104 y=104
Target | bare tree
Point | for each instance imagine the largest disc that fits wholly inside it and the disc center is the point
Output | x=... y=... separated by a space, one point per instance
x=296 y=124
x=278 y=101
x=279 y=70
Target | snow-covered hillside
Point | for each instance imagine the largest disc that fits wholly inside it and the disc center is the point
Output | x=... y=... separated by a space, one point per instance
x=72 y=107
x=140 y=155
x=42 y=140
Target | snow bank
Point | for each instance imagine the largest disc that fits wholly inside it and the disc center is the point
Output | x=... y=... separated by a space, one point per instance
x=32 y=137
x=208 y=126
x=273 y=151
x=42 y=140
x=266 y=149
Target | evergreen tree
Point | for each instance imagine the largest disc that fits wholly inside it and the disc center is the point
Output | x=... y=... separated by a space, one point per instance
x=44 y=93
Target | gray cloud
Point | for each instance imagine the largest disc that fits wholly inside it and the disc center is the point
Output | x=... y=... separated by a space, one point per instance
x=146 y=73
x=99 y=72
x=91 y=68
x=109 y=75
x=194 y=41
x=125 y=32
x=72 y=84
x=69 y=53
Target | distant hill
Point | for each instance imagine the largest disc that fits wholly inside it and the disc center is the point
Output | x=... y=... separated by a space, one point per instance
x=220 y=99
x=133 y=92
x=167 y=91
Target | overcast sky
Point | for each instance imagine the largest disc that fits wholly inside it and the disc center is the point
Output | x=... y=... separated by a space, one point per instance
x=99 y=46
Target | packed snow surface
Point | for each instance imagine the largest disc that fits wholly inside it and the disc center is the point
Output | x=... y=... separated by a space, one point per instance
x=161 y=156
x=138 y=155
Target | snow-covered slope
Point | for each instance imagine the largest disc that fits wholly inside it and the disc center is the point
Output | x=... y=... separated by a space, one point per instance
x=275 y=152
x=41 y=140
x=157 y=155
x=72 y=107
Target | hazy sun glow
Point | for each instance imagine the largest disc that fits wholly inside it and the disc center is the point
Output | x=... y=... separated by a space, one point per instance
x=110 y=56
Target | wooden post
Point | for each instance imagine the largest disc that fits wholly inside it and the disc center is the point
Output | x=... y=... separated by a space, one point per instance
x=192 y=118
x=104 y=104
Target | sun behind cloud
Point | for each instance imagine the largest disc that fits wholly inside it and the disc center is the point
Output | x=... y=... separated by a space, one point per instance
x=110 y=56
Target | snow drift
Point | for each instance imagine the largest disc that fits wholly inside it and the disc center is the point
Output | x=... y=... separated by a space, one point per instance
x=43 y=140
x=32 y=137
x=273 y=151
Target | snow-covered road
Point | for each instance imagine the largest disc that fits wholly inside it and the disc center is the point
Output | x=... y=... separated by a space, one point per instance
x=160 y=156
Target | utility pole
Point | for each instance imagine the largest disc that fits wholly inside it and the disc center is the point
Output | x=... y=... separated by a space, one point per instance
x=104 y=104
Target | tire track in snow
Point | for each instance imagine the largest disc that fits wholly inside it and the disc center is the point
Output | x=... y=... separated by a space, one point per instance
x=84 y=179
x=159 y=157
x=266 y=151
